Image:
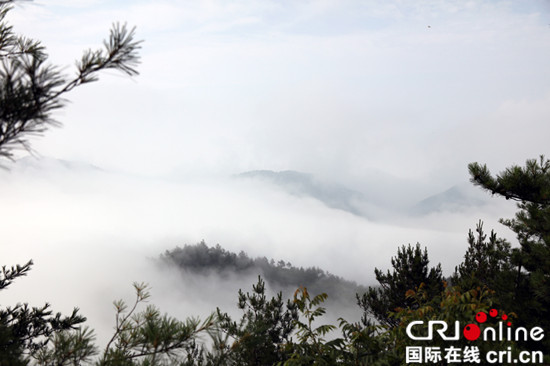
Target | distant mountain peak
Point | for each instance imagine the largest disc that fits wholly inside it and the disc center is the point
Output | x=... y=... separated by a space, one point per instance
x=455 y=199
x=307 y=185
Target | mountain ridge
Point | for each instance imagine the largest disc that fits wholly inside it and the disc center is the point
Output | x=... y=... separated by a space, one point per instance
x=301 y=184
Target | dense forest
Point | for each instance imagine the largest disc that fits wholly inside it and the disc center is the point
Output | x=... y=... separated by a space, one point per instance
x=495 y=283
x=280 y=275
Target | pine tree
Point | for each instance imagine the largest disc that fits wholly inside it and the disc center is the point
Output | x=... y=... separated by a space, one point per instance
x=410 y=272
x=488 y=265
x=31 y=88
x=530 y=187
x=264 y=329
x=25 y=330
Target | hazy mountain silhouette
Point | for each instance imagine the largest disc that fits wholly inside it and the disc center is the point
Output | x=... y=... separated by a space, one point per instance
x=306 y=185
x=458 y=198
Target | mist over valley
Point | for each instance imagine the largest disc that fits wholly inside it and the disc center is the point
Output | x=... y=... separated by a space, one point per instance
x=303 y=143
x=92 y=232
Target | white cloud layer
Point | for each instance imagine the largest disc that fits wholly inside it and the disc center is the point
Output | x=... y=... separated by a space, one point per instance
x=360 y=92
x=92 y=233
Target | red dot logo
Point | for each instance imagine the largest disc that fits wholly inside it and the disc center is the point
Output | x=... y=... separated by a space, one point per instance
x=471 y=332
x=493 y=312
x=481 y=317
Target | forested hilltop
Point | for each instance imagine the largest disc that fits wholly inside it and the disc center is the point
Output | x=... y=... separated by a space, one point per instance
x=495 y=283
x=279 y=275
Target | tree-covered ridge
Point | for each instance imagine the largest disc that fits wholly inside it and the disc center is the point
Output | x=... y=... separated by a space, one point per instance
x=202 y=259
x=272 y=331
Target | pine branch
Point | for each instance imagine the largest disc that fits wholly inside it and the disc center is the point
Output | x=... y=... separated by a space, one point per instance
x=8 y=275
x=31 y=89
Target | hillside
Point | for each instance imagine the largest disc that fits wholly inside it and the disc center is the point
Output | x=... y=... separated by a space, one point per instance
x=281 y=276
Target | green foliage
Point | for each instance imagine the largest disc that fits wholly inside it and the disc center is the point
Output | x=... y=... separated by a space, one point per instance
x=317 y=344
x=488 y=264
x=144 y=338
x=530 y=186
x=410 y=271
x=453 y=304
x=8 y=275
x=311 y=310
x=26 y=330
x=202 y=259
x=365 y=345
x=149 y=338
x=31 y=88
x=67 y=348
x=260 y=336
x=312 y=348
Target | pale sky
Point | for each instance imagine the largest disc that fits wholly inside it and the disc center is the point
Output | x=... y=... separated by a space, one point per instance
x=335 y=88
